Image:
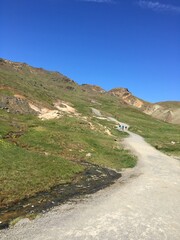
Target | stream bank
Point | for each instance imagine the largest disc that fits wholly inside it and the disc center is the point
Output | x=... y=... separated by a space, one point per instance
x=90 y=181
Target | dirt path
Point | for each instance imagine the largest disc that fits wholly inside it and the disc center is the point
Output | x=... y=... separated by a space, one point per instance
x=145 y=205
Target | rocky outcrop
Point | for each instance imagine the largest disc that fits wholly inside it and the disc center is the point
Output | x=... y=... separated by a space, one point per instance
x=161 y=111
x=94 y=88
x=127 y=97
x=15 y=105
x=120 y=92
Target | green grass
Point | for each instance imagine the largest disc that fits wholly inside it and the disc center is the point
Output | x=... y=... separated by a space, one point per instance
x=73 y=139
x=48 y=153
x=23 y=173
x=164 y=136
x=170 y=104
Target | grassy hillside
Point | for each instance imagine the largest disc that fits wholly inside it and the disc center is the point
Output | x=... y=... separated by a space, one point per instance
x=37 y=155
x=170 y=104
x=40 y=154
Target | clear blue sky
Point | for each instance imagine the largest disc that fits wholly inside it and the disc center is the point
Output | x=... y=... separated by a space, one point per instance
x=110 y=43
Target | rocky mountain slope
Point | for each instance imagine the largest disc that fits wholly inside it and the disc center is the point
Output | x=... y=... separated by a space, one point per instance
x=39 y=80
x=168 y=112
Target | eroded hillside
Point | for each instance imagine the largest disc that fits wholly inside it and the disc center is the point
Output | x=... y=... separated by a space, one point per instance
x=168 y=112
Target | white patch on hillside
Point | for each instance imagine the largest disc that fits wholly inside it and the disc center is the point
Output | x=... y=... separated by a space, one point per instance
x=47 y=114
x=64 y=107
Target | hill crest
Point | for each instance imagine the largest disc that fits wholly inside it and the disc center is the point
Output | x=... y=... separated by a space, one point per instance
x=39 y=79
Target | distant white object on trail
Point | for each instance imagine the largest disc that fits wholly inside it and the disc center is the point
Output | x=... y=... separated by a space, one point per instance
x=122 y=126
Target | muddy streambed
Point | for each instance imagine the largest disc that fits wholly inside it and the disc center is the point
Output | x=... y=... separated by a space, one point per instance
x=91 y=180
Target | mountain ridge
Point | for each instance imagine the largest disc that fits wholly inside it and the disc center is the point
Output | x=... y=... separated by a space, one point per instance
x=162 y=111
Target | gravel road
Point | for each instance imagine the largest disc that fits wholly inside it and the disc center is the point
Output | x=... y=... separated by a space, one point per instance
x=143 y=204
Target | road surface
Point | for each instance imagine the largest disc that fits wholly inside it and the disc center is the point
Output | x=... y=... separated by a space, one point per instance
x=143 y=205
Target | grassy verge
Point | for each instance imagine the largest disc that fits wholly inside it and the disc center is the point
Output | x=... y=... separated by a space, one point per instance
x=163 y=136
x=49 y=153
x=75 y=140
x=24 y=173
